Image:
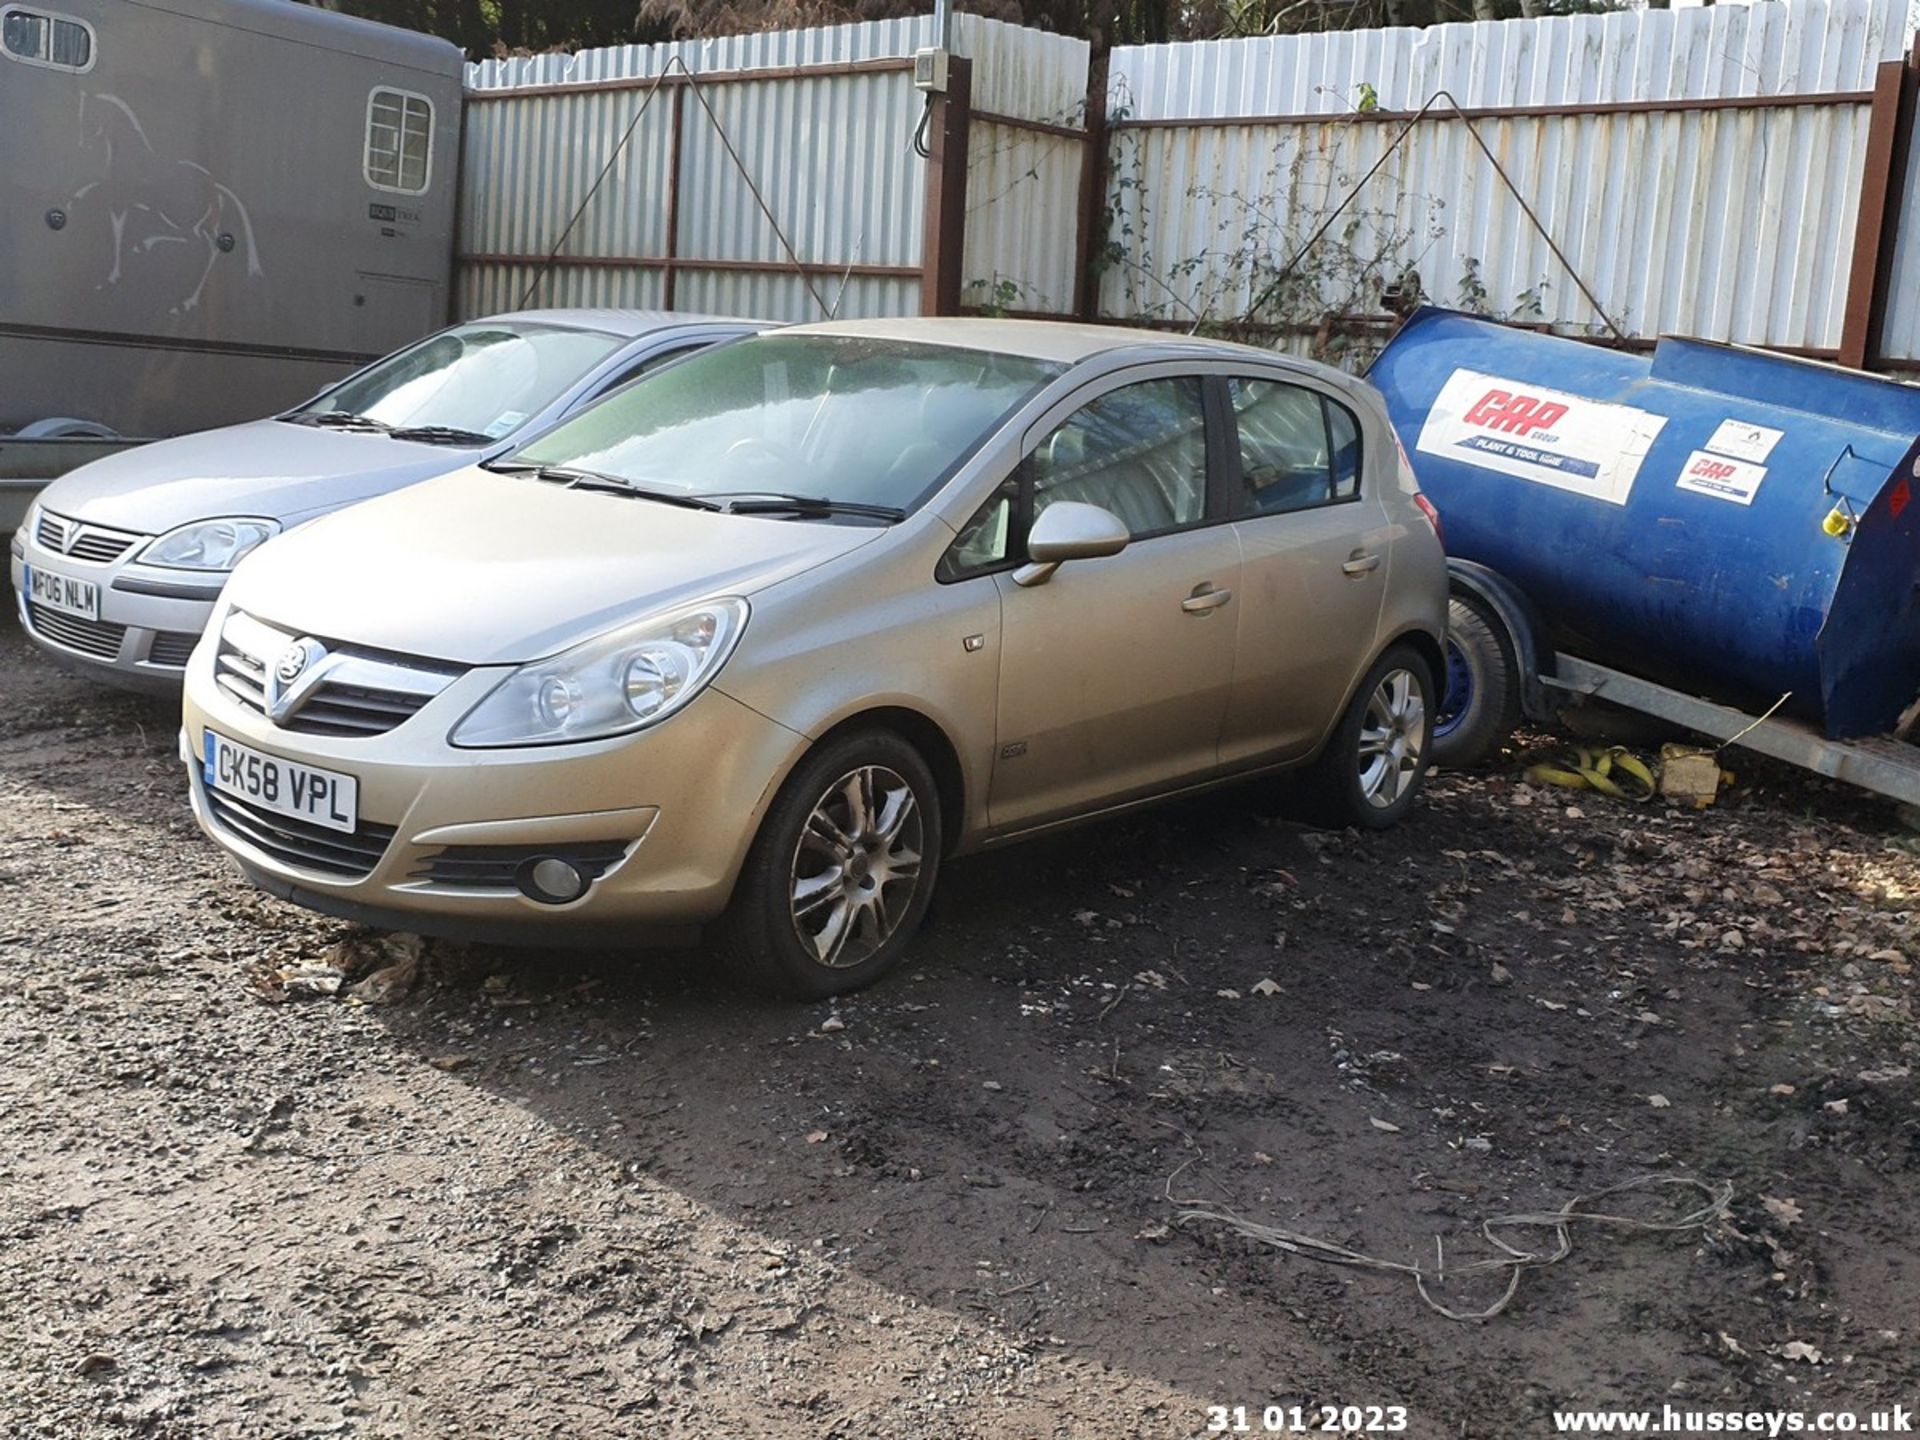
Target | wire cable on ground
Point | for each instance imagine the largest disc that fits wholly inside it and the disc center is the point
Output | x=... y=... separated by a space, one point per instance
x=1715 y=1198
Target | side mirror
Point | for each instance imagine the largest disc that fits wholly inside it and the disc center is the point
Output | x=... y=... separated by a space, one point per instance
x=1068 y=530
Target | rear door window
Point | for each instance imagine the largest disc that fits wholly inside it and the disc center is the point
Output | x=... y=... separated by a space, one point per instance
x=1297 y=448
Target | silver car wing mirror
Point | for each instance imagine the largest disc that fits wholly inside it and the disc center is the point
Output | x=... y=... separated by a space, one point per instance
x=1069 y=530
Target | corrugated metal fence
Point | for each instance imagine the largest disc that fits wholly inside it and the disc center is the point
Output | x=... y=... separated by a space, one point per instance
x=820 y=123
x=1699 y=169
x=1693 y=171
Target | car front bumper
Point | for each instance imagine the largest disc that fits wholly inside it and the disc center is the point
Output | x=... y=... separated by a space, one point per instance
x=671 y=811
x=149 y=620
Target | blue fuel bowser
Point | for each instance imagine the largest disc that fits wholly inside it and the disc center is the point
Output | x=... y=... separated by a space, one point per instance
x=1725 y=525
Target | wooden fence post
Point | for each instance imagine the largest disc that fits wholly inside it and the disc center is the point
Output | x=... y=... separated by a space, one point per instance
x=1093 y=195
x=943 y=246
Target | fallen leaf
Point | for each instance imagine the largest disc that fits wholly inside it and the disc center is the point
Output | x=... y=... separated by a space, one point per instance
x=1730 y=1345
x=1266 y=987
x=1885 y=1075
x=1500 y=975
x=1387 y=1125
x=1154 y=1233
x=1837 y=1107
x=1087 y=917
x=1787 y=1212
x=1228 y=994
x=831 y=1024
x=1659 y=1102
x=1800 y=1350
x=817 y=1137
x=1781 y=1089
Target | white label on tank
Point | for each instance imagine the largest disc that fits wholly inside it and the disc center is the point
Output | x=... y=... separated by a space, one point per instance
x=1590 y=447
x=1744 y=440
x=1724 y=479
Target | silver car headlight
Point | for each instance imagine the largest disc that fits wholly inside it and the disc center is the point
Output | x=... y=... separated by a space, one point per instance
x=209 y=544
x=624 y=680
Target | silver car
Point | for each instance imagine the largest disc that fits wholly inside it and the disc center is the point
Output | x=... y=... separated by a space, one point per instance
x=119 y=563
x=761 y=642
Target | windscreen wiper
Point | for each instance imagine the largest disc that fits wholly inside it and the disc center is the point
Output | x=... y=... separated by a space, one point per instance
x=604 y=484
x=337 y=420
x=809 y=506
x=441 y=435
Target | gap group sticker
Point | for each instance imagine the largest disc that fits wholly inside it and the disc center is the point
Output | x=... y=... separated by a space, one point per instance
x=1724 y=479
x=1590 y=447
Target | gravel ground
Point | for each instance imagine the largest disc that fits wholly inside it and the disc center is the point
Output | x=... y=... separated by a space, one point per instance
x=516 y=1194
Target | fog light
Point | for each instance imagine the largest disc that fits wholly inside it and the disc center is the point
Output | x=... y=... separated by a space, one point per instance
x=551 y=881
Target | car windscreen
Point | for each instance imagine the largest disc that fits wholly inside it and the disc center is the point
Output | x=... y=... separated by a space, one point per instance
x=487 y=378
x=846 y=418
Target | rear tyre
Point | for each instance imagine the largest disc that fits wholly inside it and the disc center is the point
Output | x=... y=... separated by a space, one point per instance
x=1480 y=703
x=839 y=877
x=1373 y=766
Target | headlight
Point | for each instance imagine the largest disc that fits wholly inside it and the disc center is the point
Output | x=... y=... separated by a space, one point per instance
x=623 y=680
x=209 y=544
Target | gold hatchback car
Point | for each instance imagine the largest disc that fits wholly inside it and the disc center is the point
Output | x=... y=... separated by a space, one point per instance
x=758 y=643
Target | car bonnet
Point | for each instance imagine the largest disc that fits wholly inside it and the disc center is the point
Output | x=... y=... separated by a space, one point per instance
x=479 y=568
x=265 y=468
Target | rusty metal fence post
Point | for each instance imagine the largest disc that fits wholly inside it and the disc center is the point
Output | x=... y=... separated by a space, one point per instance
x=943 y=251
x=1883 y=177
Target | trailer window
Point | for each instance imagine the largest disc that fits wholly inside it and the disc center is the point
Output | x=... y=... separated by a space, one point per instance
x=399 y=141
x=40 y=38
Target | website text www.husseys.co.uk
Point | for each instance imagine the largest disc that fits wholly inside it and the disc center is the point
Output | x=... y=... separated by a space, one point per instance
x=1772 y=1423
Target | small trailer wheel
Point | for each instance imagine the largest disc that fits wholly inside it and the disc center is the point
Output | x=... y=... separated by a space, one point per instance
x=1480 y=704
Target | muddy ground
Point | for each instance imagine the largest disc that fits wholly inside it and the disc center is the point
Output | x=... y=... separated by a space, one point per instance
x=550 y=1195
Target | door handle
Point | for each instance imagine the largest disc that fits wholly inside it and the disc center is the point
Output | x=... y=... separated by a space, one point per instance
x=1361 y=562
x=1205 y=598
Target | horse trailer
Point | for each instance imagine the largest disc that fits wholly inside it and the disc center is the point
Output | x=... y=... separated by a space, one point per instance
x=209 y=209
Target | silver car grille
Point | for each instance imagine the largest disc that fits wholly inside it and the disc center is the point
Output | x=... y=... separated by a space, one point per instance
x=302 y=684
x=82 y=541
x=97 y=638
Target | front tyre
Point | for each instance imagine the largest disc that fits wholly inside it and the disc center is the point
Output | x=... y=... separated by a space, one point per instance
x=1373 y=766
x=839 y=877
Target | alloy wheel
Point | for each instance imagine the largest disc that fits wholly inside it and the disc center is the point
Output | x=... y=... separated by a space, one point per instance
x=1393 y=737
x=857 y=866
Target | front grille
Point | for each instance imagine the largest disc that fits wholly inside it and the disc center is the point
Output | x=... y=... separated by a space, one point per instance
x=90 y=637
x=352 y=710
x=493 y=867
x=171 y=647
x=344 y=693
x=82 y=541
x=299 y=843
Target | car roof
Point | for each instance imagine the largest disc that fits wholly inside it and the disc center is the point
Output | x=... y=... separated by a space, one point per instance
x=632 y=324
x=1065 y=341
